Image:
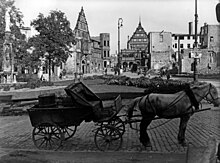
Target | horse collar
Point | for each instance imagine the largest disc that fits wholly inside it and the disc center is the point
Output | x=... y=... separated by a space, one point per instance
x=192 y=98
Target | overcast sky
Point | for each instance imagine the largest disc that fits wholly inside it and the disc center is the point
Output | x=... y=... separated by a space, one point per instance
x=102 y=15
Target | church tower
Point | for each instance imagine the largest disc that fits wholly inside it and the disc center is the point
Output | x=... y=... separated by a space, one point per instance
x=83 y=47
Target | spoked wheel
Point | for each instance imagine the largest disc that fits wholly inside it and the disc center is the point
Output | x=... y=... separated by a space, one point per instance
x=118 y=123
x=69 y=131
x=108 y=138
x=47 y=136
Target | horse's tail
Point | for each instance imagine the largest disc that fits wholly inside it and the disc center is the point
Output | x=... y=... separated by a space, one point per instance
x=131 y=107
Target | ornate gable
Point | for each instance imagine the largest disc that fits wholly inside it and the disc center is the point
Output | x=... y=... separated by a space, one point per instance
x=139 y=39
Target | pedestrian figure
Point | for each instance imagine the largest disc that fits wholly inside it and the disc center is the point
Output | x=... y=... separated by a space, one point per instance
x=60 y=76
x=42 y=77
x=168 y=74
x=115 y=69
x=105 y=71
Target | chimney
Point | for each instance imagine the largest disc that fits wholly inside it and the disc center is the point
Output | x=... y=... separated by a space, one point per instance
x=190 y=28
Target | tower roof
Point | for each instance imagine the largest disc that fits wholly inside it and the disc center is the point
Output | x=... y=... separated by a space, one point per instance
x=81 y=29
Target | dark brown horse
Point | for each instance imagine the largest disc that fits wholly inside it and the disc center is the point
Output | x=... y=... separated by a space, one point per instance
x=178 y=105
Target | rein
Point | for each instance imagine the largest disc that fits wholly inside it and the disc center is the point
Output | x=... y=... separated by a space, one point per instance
x=156 y=118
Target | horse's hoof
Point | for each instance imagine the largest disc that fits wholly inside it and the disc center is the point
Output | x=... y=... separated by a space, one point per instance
x=146 y=144
x=183 y=143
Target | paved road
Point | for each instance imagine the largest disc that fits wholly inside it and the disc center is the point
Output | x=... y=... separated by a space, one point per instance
x=15 y=132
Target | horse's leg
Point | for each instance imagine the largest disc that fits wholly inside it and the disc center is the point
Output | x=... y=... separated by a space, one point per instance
x=182 y=128
x=144 y=138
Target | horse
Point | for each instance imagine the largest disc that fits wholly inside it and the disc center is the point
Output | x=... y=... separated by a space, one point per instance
x=169 y=106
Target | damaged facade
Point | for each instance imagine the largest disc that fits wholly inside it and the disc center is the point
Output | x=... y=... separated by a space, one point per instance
x=209 y=50
x=160 y=49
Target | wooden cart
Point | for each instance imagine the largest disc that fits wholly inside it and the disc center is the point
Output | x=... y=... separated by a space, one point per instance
x=56 y=119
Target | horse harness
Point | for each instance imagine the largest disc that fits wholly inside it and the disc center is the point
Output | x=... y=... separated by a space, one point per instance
x=192 y=97
x=188 y=92
x=208 y=93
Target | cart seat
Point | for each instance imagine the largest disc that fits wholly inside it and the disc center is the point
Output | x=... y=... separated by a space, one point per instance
x=95 y=103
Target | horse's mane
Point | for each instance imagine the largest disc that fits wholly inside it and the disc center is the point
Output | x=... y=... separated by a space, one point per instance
x=199 y=85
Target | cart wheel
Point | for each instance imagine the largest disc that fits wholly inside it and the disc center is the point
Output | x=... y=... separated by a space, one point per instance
x=108 y=138
x=47 y=136
x=119 y=124
x=69 y=131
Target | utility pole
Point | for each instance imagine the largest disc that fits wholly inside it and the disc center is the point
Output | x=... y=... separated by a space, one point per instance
x=195 y=75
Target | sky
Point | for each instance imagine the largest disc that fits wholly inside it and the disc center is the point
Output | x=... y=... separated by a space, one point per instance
x=102 y=15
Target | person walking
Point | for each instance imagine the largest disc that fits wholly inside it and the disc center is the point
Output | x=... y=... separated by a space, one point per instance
x=106 y=71
x=168 y=74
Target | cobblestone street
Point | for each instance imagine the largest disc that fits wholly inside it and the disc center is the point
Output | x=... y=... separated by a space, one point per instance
x=16 y=133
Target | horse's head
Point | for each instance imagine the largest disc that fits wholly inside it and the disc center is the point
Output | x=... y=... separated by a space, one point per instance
x=212 y=95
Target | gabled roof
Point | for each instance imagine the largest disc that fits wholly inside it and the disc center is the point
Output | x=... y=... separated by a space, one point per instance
x=139 y=30
x=95 y=38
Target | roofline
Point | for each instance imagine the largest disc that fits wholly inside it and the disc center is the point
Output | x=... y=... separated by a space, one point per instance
x=183 y=34
x=94 y=40
x=159 y=32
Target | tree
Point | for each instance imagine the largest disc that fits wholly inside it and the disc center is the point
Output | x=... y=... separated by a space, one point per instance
x=55 y=38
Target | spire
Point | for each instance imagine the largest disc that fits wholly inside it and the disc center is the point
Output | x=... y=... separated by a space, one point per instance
x=82 y=11
x=82 y=25
x=139 y=20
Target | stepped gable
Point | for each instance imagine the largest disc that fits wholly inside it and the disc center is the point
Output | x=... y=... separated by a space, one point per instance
x=139 y=39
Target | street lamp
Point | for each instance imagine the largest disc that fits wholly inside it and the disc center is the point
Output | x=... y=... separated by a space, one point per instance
x=195 y=76
x=120 y=21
